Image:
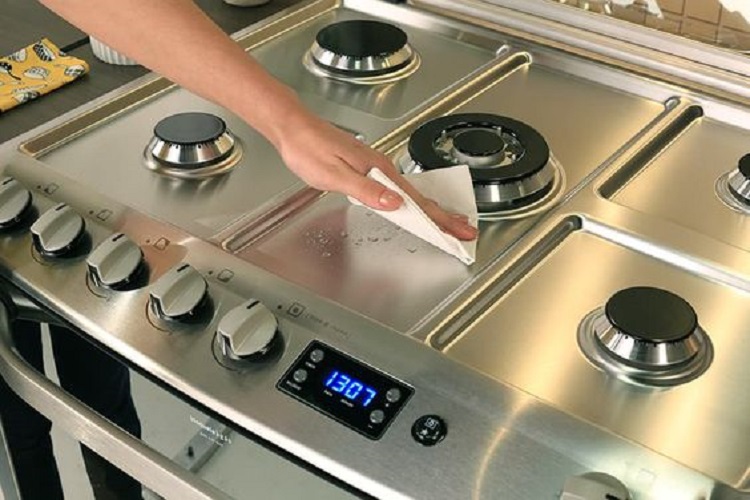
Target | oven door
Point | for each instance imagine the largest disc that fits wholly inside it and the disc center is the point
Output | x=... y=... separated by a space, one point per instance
x=184 y=451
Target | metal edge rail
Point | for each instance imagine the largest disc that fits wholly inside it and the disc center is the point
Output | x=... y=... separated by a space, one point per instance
x=633 y=33
x=128 y=453
x=644 y=61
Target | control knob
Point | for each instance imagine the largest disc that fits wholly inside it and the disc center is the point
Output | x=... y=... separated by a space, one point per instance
x=116 y=262
x=594 y=486
x=180 y=295
x=15 y=202
x=248 y=331
x=58 y=232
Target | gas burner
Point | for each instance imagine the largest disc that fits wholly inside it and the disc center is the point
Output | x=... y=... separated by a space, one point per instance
x=647 y=336
x=509 y=161
x=192 y=146
x=362 y=51
x=734 y=187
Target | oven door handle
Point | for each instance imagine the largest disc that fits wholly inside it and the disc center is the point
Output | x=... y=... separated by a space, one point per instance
x=153 y=470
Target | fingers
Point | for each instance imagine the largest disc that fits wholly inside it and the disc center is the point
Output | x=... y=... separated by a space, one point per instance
x=455 y=224
x=371 y=193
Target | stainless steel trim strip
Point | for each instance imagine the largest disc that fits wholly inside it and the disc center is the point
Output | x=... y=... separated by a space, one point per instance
x=632 y=161
x=86 y=426
x=716 y=82
x=633 y=33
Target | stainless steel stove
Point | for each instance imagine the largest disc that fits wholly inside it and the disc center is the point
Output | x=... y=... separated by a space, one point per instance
x=593 y=351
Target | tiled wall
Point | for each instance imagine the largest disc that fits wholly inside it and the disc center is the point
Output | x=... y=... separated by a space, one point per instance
x=704 y=20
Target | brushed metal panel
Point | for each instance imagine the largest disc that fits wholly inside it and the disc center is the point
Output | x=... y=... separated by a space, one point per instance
x=680 y=183
x=528 y=338
x=108 y=157
x=365 y=263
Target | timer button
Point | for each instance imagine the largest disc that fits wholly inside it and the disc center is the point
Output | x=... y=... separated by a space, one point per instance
x=393 y=395
x=300 y=376
x=429 y=430
x=377 y=416
x=317 y=356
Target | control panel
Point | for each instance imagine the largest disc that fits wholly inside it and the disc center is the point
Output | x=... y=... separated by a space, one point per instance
x=345 y=389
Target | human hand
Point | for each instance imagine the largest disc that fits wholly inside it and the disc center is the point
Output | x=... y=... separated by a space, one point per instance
x=331 y=159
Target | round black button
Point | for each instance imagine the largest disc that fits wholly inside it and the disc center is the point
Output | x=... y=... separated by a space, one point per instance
x=360 y=39
x=187 y=129
x=744 y=166
x=651 y=314
x=429 y=430
x=479 y=142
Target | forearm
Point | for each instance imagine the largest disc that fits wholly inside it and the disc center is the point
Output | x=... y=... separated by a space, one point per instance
x=177 y=40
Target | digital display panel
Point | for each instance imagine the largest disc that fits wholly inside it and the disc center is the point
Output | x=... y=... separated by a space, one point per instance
x=351 y=388
x=345 y=389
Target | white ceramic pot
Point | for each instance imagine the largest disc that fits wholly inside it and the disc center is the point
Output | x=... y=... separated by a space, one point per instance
x=108 y=54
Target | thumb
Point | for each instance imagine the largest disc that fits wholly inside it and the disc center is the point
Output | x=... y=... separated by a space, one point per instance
x=372 y=193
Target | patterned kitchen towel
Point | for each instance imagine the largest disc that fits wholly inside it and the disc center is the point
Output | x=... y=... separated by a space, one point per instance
x=34 y=71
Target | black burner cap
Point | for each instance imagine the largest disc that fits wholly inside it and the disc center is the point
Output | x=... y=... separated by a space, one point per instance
x=479 y=142
x=744 y=166
x=360 y=39
x=651 y=314
x=187 y=129
x=422 y=146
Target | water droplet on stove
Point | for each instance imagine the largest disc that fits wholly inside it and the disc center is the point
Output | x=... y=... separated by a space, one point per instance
x=344 y=234
x=373 y=239
x=368 y=214
x=386 y=238
x=412 y=250
x=326 y=254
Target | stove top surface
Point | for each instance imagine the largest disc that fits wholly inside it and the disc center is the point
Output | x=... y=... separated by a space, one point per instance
x=252 y=178
x=601 y=327
x=350 y=256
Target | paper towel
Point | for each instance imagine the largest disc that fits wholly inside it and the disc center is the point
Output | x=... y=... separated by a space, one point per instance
x=452 y=188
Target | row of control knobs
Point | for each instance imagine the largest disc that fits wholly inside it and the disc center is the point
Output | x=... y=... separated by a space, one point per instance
x=181 y=295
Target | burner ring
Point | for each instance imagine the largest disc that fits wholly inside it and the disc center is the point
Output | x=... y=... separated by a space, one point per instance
x=362 y=52
x=192 y=146
x=361 y=48
x=535 y=158
x=652 y=315
x=738 y=181
x=647 y=336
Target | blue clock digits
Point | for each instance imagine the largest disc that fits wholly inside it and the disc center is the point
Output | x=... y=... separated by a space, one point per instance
x=351 y=388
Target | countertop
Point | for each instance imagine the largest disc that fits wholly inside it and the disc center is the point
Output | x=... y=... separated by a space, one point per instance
x=28 y=21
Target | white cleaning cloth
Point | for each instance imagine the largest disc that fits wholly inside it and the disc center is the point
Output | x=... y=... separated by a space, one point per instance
x=452 y=188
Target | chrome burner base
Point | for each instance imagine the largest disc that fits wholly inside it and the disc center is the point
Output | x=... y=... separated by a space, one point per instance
x=203 y=172
x=639 y=375
x=309 y=62
x=491 y=211
x=725 y=194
